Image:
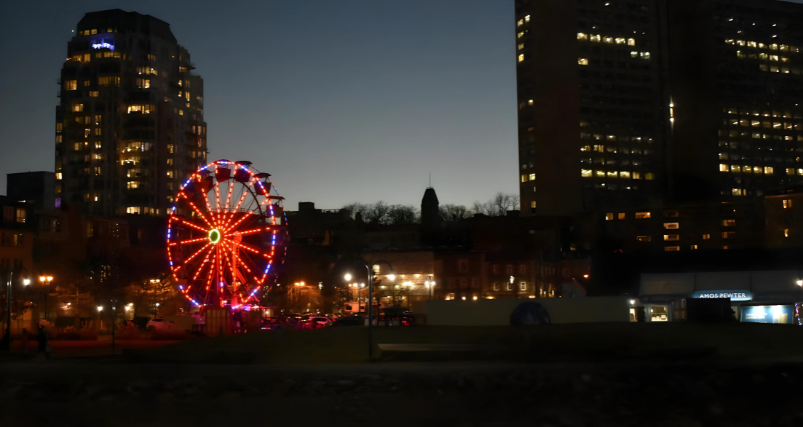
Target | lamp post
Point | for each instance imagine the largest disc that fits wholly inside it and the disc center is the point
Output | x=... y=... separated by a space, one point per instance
x=5 y=344
x=370 y=272
x=45 y=280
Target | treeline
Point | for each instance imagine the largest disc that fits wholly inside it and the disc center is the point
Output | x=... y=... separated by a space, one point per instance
x=383 y=214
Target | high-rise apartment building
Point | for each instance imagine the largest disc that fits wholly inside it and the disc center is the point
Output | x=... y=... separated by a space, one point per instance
x=640 y=102
x=130 y=122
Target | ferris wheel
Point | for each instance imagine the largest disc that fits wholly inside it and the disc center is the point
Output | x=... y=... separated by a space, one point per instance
x=226 y=233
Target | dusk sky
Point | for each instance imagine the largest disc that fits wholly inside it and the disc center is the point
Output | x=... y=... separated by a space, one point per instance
x=342 y=101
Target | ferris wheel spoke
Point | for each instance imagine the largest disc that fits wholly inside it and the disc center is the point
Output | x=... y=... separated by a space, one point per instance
x=201 y=267
x=197 y=253
x=198 y=211
x=243 y=245
x=233 y=252
x=197 y=227
x=217 y=196
x=243 y=233
x=191 y=241
x=244 y=194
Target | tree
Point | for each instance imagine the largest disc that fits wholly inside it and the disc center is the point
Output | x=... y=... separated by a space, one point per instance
x=403 y=215
x=453 y=212
x=498 y=205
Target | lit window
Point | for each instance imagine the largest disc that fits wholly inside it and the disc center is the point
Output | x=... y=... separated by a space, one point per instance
x=520 y=34
x=523 y=286
x=582 y=61
x=59 y=175
x=620 y=40
x=636 y=175
x=586 y=173
x=723 y=168
x=532 y=177
x=786 y=232
x=671 y=225
x=622 y=215
x=790 y=171
x=728 y=222
x=600 y=174
x=524 y=178
x=532 y=204
x=672 y=248
x=71 y=84
x=769 y=170
x=649 y=176
x=668 y=237
x=608 y=39
x=787 y=203
x=20 y=217
x=642 y=215
x=737 y=191
x=527 y=18
x=736 y=168
x=93 y=93
x=644 y=238
x=631 y=42
x=78 y=107
x=520 y=23
x=521 y=58
x=624 y=174
x=706 y=236
x=728 y=234
x=582 y=36
x=693 y=247
x=608 y=216
x=521 y=46
x=613 y=174
x=596 y=38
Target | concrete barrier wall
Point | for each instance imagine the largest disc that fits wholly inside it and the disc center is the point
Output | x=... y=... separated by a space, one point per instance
x=496 y=312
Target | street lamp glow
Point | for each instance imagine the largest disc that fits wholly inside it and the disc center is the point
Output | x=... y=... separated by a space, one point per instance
x=347 y=277
x=100 y=308
x=26 y=282
x=392 y=277
x=41 y=278
x=800 y=282
x=49 y=278
x=632 y=302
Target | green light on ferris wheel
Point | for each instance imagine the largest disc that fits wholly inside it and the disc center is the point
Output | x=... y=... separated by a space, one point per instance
x=214 y=236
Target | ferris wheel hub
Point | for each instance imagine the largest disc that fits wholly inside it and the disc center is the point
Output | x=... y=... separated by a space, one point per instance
x=214 y=236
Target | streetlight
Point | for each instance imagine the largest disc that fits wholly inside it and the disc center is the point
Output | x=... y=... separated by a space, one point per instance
x=5 y=344
x=799 y=282
x=391 y=277
x=45 y=280
x=370 y=270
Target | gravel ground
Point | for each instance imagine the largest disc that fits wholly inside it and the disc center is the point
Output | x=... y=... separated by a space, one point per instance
x=112 y=392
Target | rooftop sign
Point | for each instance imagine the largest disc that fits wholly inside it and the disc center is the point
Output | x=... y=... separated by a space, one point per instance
x=103 y=44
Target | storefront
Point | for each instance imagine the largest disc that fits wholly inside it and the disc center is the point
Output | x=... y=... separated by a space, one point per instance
x=770 y=296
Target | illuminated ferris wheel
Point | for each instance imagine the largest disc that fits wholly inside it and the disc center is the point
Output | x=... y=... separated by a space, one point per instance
x=226 y=234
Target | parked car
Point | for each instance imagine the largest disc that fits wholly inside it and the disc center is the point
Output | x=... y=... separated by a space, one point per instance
x=349 y=321
x=315 y=322
x=159 y=324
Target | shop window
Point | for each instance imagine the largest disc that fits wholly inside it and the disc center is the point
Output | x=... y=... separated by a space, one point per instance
x=659 y=313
